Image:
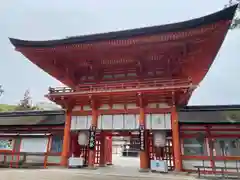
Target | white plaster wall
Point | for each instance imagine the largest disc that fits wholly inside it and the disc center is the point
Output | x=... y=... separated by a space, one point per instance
x=34 y=145
x=35 y=159
x=54 y=159
x=80 y=122
x=189 y=164
x=120 y=121
x=158 y=121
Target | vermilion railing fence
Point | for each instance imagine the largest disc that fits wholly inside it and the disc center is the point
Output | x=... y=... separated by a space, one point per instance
x=124 y=86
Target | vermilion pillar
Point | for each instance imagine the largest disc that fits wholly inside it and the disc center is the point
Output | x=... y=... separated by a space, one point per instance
x=108 y=151
x=66 y=139
x=176 y=140
x=91 y=156
x=102 y=150
x=144 y=158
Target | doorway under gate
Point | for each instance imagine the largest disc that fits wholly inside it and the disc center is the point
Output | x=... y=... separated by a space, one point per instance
x=124 y=144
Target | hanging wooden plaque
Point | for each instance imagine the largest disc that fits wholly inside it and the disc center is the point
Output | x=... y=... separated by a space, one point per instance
x=92 y=137
x=142 y=137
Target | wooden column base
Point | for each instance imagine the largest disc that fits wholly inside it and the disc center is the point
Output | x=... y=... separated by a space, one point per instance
x=144 y=157
x=66 y=140
x=176 y=141
x=91 y=159
x=144 y=167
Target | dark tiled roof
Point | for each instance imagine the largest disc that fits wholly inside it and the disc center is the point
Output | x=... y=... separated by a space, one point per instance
x=220 y=116
x=32 y=113
x=209 y=108
x=32 y=118
x=226 y=14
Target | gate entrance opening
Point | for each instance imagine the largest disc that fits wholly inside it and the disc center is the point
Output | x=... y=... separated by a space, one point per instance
x=112 y=146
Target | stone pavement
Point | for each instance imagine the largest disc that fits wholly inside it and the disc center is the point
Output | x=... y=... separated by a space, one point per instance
x=124 y=168
x=83 y=174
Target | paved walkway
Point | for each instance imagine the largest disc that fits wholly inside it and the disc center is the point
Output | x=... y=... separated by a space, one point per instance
x=77 y=174
x=124 y=168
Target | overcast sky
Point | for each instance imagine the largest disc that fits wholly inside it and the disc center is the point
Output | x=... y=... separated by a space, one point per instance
x=50 y=19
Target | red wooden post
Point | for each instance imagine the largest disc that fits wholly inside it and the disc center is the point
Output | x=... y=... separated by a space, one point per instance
x=109 y=150
x=176 y=140
x=91 y=156
x=66 y=139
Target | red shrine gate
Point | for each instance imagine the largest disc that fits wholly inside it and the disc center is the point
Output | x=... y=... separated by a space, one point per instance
x=143 y=73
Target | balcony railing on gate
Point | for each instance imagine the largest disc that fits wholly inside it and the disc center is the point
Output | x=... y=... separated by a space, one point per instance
x=111 y=87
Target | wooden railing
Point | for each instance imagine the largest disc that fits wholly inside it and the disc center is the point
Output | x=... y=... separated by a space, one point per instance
x=123 y=86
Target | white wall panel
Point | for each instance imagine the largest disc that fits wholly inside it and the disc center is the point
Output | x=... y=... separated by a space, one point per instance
x=99 y=122
x=137 y=120
x=129 y=121
x=54 y=159
x=158 y=121
x=148 y=121
x=189 y=164
x=89 y=121
x=118 y=106
x=73 y=122
x=35 y=159
x=168 y=123
x=118 y=121
x=126 y=121
x=38 y=145
x=80 y=122
x=107 y=122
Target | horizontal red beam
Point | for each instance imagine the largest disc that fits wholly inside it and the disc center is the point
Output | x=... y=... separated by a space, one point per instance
x=117 y=133
x=216 y=158
x=11 y=152
x=209 y=125
x=124 y=111
x=215 y=129
x=210 y=135
x=32 y=128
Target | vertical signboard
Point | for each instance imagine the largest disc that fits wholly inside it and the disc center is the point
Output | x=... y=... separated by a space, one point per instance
x=92 y=137
x=142 y=137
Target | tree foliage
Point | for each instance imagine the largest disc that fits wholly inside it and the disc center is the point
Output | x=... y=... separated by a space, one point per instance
x=1 y=90
x=26 y=103
x=7 y=107
x=236 y=21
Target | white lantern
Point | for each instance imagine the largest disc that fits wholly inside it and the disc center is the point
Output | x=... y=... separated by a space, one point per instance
x=83 y=138
x=159 y=138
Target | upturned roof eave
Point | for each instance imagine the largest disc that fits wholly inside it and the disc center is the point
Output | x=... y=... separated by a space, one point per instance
x=225 y=14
